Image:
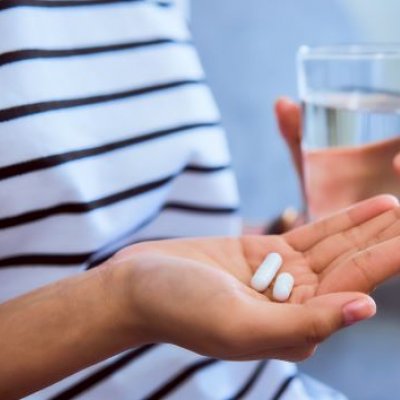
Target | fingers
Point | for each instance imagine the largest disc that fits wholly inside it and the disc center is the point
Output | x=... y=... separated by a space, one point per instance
x=328 y=252
x=288 y=115
x=307 y=236
x=271 y=326
x=366 y=269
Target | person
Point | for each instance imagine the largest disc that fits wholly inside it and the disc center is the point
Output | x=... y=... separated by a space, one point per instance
x=112 y=142
x=337 y=179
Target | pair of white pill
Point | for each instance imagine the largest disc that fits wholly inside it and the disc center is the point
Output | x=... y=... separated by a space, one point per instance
x=266 y=273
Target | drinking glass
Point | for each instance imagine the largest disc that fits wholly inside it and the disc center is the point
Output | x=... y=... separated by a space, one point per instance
x=351 y=124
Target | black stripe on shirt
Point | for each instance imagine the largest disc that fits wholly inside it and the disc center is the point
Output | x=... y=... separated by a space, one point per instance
x=6 y=4
x=103 y=373
x=31 y=54
x=282 y=389
x=199 y=209
x=180 y=379
x=45 y=259
x=101 y=256
x=79 y=208
x=92 y=258
x=251 y=381
x=107 y=251
x=164 y=3
x=11 y=113
x=38 y=164
x=206 y=169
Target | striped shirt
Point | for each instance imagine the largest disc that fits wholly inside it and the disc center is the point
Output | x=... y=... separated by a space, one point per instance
x=110 y=136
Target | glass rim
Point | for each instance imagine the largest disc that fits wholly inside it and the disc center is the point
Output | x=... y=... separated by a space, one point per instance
x=350 y=51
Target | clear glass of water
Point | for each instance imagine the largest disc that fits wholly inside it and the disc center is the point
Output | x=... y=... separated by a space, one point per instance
x=351 y=124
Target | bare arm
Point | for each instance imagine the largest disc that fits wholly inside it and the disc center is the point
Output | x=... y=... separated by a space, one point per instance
x=59 y=329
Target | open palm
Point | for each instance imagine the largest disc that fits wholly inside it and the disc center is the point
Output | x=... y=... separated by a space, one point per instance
x=202 y=285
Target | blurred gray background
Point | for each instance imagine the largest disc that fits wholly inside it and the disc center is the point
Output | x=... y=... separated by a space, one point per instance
x=248 y=50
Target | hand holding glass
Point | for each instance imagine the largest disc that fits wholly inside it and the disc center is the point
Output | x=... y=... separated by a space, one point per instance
x=351 y=124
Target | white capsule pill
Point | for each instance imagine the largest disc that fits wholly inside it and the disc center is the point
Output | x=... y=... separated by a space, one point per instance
x=266 y=272
x=283 y=287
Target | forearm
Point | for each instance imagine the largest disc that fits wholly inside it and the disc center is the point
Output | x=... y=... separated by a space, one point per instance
x=59 y=329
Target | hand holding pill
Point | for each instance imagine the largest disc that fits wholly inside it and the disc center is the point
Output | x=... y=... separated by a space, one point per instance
x=208 y=294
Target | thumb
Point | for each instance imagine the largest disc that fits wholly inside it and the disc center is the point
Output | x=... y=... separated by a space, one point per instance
x=396 y=164
x=289 y=120
x=288 y=115
x=328 y=313
x=291 y=325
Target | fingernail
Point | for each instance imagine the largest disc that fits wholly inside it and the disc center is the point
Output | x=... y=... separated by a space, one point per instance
x=358 y=310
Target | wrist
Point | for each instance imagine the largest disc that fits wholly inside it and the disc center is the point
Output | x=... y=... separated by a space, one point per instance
x=120 y=277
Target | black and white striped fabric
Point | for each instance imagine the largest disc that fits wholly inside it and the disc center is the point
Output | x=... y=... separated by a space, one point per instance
x=109 y=136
